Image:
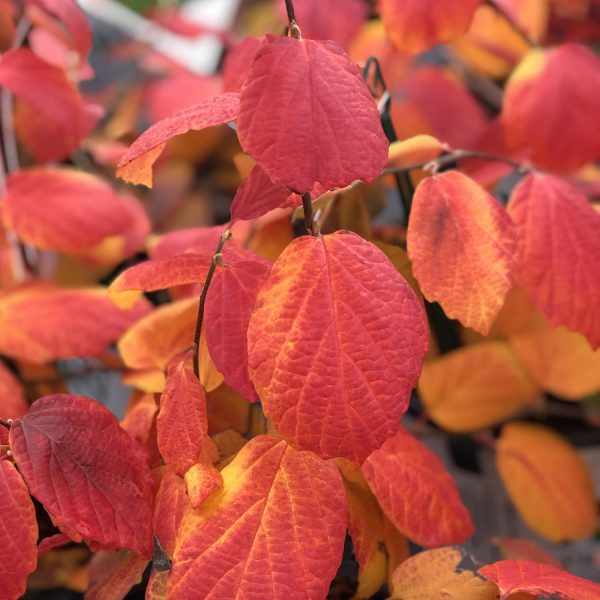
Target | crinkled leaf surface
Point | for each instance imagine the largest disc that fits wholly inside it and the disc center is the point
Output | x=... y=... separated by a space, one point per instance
x=559 y=252
x=417 y=493
x=86 y=471
x=335 y=345
x=275 y=529
x=461 y=244
x=307 y=117
x=18 y=532
x=170 y=507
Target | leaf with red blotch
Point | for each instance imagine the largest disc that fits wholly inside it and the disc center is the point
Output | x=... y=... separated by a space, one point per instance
x=62 y=209
x=135 y=165
x=86 y=471
x=170 y=506
x=335 y=343
x=559 y=252
x=76 y=322
x=113 y=575
x=329 y=19
x=18 y=534
x=237 y=63
x=201 y=480
x=56 y=117
x=416 y=25
x=538 y=579
x=275 y=529
x=182 y=424
x=549 y=88
x=229 y=304
x=52 y=542
x=307 y=117
x=159 y=274
x=461 y=243
x=417 y=493
x=12 y=395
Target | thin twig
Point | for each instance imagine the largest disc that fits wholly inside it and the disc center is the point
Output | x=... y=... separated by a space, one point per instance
x=7 y=424
x=516 y=27
x=308 y=213
x=294 y=30
x=211 y=271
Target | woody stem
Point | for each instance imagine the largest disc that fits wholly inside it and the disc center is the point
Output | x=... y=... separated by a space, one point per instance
x=308 y=213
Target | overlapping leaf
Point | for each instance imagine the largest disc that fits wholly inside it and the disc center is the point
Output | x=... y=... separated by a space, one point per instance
x=113 y=575
x=335 y=343
x=170 y=507
x=538 y=579
x=86 y=471
x=461 y=243
x=136 y=164
x=306 y=116
x=548 y=89
x=417 y=493
x=238 y=61
x=18 y=532
x=548 y=482
x=276 y=528
x=559 y=252
x=201 y=480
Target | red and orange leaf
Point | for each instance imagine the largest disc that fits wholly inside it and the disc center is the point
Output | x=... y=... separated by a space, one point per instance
x=229 y=304
x=524 y=549
x=559 y=252
x=12 y=395
x=417 y=493
x=86 y=471
x=335 y=345
x=52 y=542
x=461 y=243
x=76 y=322
x=549 y=88
x=159 y=274
x=169 y=509
x=182 y=425
x=475 y=387
x=62 y=209
x=333 y=136
x=157 y=585
x=113 y=575
x=275 y=529
x=548 y=481
x=416 y=25
x=417 y=149
x=201 y=480
x=18 y=532
x=538 y=579
x=135 y=165
x=436 y=574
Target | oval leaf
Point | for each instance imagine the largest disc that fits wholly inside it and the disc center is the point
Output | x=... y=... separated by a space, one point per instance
x=335 y=345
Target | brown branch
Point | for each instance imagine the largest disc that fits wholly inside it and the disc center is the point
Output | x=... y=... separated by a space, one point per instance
x=7 y=424
x=309 y=220
x=294 y=30
x=515 y=26
x=213 y=265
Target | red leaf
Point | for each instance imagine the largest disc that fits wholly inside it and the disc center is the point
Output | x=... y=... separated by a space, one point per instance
x=193 y=239
x=63 y=209
x=86 y=471
x=238 y=61
x=416 y=25
x=335 y=344
x=229 y=304
x=462 y=247
x=276 y=529
x=113 y=575
x=171 y=504
x=136 y=164
x=12 y=395
x=75 y=322
x=548 y=89
x=56 y=118
x=182 y=423
x=538 y=579
x=416 y=492
x=18 y=533
x=307 y=117
x=559 y=252
x=52 y=542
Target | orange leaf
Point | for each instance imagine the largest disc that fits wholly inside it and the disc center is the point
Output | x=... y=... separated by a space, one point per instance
x=539 y=579
x=335 y=345
x=75 y=322
x=548 y=482
x=436 y=574
x=416 y=492
x=182 y=425
x=416 y=25
x=113 y=575
x=169 y=508
x=475 y=387
x=420 y=148
x=135 y=165
x=275 y=529
x=18 y=534
x=559 y=252
x=157 y=586
x=461 y=243
x=549 y=88
x=86 y=471
x=201 y=480
x=12 y=395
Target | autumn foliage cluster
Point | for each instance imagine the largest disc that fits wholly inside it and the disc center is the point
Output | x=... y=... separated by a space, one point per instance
x=412 y=233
